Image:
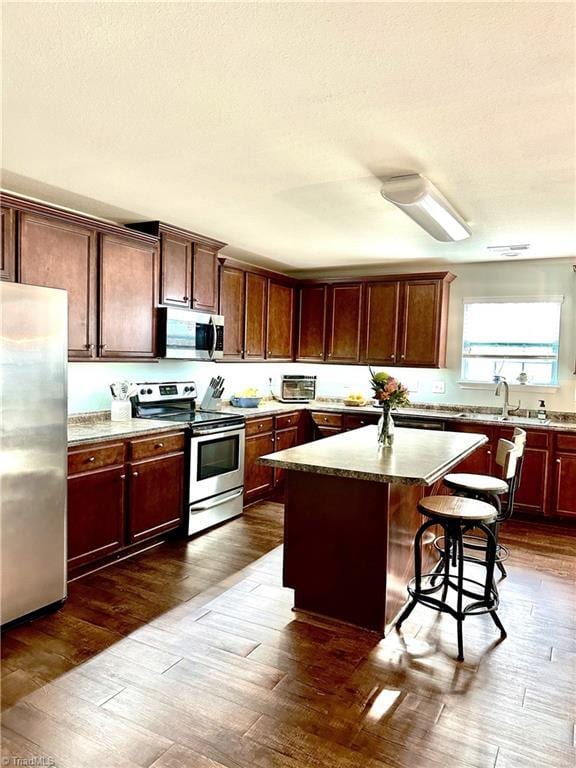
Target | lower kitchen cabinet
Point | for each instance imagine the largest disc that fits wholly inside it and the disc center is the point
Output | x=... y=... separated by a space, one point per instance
x=283 y=439
x=258 y=479
x=156 y=494
x=95 y=515
x=114 y=504
x=564 y=476
x=481 y=461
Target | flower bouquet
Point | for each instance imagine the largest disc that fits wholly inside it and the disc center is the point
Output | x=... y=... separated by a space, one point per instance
x=389 y=393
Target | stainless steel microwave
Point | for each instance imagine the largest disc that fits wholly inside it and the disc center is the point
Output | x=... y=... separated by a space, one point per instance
x=297 y=389
x=190 y=335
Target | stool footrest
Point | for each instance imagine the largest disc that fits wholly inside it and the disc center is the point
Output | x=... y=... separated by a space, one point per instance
x=478 y=607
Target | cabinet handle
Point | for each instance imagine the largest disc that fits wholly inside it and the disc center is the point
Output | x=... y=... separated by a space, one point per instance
x=557 y=461
x=329 y=354
x=102 y=347
x=402 y=357
x=122 y=477
x=185 y=298
x=90 y=347
x=134 y=474
x=247 y=351
x=392 y=357
x=159 y=445
x=489 y=453
x=91 y=459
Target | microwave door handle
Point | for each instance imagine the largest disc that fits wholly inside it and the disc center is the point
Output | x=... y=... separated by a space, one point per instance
x=213 y=348
x=195 y=508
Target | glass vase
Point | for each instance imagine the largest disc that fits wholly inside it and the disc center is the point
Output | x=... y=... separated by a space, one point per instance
x=386 y=427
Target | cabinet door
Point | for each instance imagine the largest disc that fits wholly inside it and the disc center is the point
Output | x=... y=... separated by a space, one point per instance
x=95 y=515
x=283 y=439
x=532 y=493
x=175 y=270
x=344 y=325
x=255 y=317
x=232 y=307
x=156 y=496
x=258 y=480
x=479 y=462
x=381 y=330
x=205 y=280
x=127 y=298
x=565 y=484
x=312 y=322
x=7 y=244
x=56 y=254
x=321 y=432
x=420 y=326
x=280 y=322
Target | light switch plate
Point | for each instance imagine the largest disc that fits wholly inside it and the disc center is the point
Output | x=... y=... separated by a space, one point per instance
x=438 y=387
x=412 y=386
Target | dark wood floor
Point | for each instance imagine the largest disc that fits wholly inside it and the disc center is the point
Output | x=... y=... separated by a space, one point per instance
x=189 y=656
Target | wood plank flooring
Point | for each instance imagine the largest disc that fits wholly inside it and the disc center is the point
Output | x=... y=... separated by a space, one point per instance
x=189 y=656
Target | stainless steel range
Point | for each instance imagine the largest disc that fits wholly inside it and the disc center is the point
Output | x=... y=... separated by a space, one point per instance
x=216 y=450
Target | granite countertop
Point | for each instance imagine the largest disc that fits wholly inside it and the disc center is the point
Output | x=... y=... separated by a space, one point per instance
x=416 y=458
x=94 y=430
x=272 y=407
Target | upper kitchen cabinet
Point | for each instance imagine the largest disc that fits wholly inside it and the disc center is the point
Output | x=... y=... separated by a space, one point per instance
x=280 y=321
x=7 y=244
x=255 y=319
x=424 y=317
x=312 y=304
x=344 y=323
x=405 y=320
x=60 y=254
x=232 y=308
x=188 y=266
x=128 y=297
x=381 y=322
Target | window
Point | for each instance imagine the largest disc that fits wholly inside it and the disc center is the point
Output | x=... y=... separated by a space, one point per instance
x=509 y=337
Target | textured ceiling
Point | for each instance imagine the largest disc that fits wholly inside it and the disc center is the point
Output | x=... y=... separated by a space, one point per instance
x=268 y=125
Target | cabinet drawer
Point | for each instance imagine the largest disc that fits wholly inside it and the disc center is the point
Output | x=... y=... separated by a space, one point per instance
x=94 y=458
x=156 y=446
x=534 y=438
x=566 y=442
x=328 y=419
x=287 y=420
x=361 y=420
x=259 y=426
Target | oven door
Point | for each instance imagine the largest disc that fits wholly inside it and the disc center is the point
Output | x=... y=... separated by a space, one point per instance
x=216 y=462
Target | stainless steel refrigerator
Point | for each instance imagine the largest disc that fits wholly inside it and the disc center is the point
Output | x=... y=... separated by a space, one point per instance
x=33 y=460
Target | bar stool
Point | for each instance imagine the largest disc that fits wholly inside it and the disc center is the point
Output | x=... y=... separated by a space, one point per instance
x=509 y=457
x=455 y=514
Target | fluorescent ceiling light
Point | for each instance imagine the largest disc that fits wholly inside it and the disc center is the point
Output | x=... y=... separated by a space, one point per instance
x=420 y=199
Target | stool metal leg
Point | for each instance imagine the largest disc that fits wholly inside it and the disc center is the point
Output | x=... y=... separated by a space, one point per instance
x=459 y=550
x=491 y=549
x=417 y=572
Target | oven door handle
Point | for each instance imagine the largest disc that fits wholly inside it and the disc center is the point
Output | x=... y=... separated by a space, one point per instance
x=195 y=508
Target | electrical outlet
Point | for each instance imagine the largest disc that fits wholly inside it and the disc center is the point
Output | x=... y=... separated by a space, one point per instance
x=413 y=387
x=438 y=387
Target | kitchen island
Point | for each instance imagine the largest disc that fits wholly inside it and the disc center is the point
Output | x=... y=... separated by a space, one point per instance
x=351 y=517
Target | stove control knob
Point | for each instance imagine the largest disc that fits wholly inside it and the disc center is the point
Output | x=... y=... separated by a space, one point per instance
x=186 y=389
x=148 y=391
x=142 y=391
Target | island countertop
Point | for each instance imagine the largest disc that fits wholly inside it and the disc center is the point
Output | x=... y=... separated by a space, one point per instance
x=418 y=457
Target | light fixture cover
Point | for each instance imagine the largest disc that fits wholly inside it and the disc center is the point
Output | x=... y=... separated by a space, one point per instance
x=420 y=199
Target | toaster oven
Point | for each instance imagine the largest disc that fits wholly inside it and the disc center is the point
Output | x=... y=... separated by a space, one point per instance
x=297 y=389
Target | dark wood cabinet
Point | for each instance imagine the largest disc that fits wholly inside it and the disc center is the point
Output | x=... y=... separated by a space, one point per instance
x=59 y=254
x=232 y=308
x=128 y=297
x=205 y=278
x=255 y=316
x=7 y=243
x=258 y=479
x=312 y=306
x=95 y=514
x=481 y=461
x=280 y=321
x=564 y=484
x=420 y=335
x=533 y=493
x=176 y=254
x=344 y=322
x=156 y=496
x=283 y=439
x=381 y=323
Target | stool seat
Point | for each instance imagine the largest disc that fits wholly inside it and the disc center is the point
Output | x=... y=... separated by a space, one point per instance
x=456 y=508
x=480 y=483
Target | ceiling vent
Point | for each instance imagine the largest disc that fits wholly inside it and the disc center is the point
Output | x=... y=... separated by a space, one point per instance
x=508 y=250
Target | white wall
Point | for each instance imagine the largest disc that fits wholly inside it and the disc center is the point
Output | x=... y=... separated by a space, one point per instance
x=88 y=382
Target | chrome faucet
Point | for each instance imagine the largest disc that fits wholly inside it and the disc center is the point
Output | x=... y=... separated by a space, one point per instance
x=506 y=409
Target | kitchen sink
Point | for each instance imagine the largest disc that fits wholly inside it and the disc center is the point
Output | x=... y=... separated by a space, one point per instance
x=527 y=420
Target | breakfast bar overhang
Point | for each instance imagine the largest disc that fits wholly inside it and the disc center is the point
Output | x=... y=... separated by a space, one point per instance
x=351 y=517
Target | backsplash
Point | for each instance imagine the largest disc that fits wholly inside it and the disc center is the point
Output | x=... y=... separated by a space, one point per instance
x=88 y=384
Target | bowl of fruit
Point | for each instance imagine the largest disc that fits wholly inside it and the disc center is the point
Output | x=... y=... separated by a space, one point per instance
x=355 y=399
x=248 y=398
